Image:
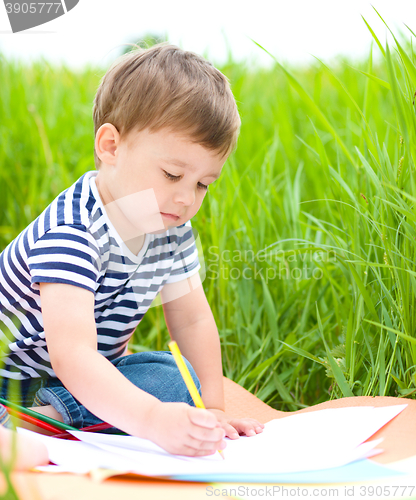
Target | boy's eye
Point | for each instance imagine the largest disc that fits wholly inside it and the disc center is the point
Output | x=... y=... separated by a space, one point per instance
x=177 y=177
x=170 y=176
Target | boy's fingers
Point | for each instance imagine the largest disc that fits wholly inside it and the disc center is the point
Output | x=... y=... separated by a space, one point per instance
x=250 y=421
x=192 y=452
x=250 y=427
x=202 y=418
x=231 y=431
x=209 y=435
x=199 y=447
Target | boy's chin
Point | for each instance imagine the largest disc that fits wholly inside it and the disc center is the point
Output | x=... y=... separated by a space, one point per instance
x=166 y=228
x=160 y=231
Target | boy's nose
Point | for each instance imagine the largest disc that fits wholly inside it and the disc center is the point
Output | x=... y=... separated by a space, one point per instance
x=186 y=197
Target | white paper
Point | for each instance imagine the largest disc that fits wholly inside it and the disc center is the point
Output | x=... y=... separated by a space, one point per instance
x=302 y=442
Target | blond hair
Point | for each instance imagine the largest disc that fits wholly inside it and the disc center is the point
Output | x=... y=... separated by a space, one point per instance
x=164 y=86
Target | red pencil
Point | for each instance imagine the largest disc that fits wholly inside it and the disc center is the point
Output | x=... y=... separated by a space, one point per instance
x=34 y=421
x=97 y=427
x=90 y=428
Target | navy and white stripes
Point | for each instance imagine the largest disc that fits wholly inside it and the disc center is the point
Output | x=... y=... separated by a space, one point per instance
x=73 y=242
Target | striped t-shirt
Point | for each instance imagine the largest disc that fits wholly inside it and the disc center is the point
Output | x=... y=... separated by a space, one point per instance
x=74 y=242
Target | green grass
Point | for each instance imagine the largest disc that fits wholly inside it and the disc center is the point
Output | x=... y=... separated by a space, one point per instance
x=315 y=298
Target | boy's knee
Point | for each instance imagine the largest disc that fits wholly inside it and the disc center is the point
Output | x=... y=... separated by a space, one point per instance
x=166 y=363
x=156 y=372
x=178 y=380
x=190 y=368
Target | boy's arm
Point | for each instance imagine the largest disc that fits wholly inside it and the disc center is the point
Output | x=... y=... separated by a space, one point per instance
x=71 y=336
x=191 y=323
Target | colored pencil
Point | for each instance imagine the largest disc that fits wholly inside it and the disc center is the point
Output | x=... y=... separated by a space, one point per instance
x=177 y=356
x=90 y=428
x=38 y=416
x=33 y=421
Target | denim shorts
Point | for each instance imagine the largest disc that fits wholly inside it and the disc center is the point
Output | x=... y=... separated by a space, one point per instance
x=154 y=372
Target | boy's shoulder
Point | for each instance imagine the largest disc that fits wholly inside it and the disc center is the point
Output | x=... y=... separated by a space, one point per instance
x=73 y=219
x=75 y=206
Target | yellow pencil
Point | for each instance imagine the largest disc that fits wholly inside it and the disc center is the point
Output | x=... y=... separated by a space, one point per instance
x=174 y=348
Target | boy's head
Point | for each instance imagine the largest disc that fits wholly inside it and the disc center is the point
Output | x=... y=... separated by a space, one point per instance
x=166 y=87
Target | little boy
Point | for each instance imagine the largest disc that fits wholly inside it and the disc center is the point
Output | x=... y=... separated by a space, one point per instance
x=77 y=281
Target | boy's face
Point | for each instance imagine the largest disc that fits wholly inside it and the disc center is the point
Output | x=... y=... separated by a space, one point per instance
x=169 y=165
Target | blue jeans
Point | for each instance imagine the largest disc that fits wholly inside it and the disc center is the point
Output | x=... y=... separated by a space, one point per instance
x=154 y=372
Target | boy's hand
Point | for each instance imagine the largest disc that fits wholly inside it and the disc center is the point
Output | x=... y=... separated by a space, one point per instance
x=235 y=426
x=185 y=430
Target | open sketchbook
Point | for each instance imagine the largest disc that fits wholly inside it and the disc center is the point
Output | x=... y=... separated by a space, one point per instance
x=308 y=441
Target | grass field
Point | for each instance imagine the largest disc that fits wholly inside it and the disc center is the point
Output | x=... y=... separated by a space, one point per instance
x=308 y=236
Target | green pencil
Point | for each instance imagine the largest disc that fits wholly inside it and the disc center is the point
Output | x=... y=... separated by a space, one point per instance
x=39 y=416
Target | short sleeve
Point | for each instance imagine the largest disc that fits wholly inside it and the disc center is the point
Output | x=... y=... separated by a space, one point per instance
x=186 y=262
x=65 y=254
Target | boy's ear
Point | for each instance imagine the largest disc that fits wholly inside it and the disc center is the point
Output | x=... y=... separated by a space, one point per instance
x=107 y=140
